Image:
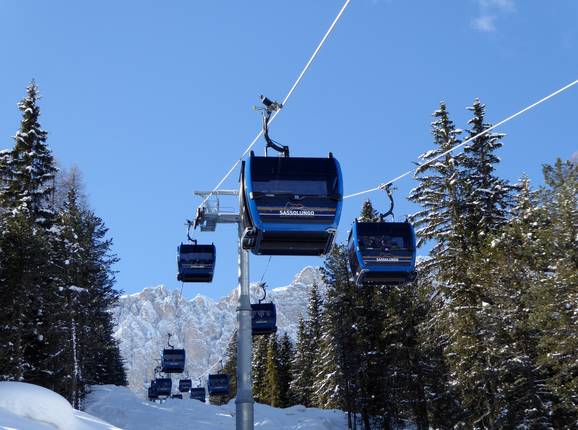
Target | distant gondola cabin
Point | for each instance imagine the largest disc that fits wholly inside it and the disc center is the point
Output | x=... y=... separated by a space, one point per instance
x=218 y=384
x=173 y=360
x=382 y=253
x=196 y=263
x=263 y=318
x=198 y=393
x=163 y=386
x=185 y=385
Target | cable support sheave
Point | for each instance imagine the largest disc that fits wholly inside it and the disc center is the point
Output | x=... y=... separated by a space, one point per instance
x=437 y=157
x=291 y=90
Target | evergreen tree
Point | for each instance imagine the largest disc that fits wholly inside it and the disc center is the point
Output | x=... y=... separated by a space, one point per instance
x=306 y=365
x=27 y=174
x=466 y=319
x=368 y=213
x=23 y=250
x=286 y=354
x=29 y=170
x=487 y=198
x=439 y=193
x=302 y=367
x=337 y=381
x=87 y=281
x=260 y=346
x=230 y=367
x=557 y=299
x=506 y=269
x=272 y=383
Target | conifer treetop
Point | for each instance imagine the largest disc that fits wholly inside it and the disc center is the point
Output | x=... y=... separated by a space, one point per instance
x=29 y=169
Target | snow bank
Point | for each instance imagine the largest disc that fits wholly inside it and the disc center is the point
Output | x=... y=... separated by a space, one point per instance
x=37 y=403
x=121 y=407
x=30 y=407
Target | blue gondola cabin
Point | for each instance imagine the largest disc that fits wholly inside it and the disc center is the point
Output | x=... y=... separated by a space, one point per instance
x=196 y=263
x=290 y=205
x=163 y=386
x=185 y=385
x=218 y=384
x=198 y=393
x=382 y=253
x=263 y=318
x=173 y=360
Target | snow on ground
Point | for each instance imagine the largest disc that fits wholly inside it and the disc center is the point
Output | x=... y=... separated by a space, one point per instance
x=30 y=407
x=120 y=406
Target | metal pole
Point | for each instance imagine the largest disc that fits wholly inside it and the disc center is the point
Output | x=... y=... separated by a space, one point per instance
x=244 y=401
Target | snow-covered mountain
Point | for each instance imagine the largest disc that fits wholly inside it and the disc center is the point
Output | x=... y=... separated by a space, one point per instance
x=202 y=326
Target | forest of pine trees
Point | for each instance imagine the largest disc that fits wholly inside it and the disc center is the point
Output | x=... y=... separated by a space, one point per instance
x=56 y=276
x=485 y=338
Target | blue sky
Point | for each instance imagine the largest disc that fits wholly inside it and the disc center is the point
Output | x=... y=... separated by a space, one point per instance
x=153 y=100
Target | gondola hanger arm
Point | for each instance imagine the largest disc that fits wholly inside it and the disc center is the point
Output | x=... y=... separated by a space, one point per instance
x=263 y=286
x=189 y=225
x=270 y=107
x=169 y=341
x=387 y=188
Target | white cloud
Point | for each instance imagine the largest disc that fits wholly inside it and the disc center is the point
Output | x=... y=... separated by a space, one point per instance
x=489 y=10
x=503 y=5
x=485 y=23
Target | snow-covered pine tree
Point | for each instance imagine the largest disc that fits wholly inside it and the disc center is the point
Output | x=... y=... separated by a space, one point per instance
x=86 y=278
x=29 y=170
x=368 y=213
x=328 y=391
x=230 y=367
x=464 y=323
x=286 y=354
x=402 y=396
x=69 y=281
x=558 y=298
x=313 y=324
x=439 y=193
x=23 y=252
x=272 y=387
x=487 y=198
x=302 y=367
x=100 y=350
x=508 y=269
x=259 y=368
x=337 y=380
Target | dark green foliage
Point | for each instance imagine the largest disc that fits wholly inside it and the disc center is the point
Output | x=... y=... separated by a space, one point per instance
x=305 y=363
x=285 y=371
x=260 y=346
x=368 y=213
x=24 y=251
x=272 y=386
x=301 y=388
x=438 y=192
x=557 y=295
x=486 y=197
x=230 y=367
x=28 y=171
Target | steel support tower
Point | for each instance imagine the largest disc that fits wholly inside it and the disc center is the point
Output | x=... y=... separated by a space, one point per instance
x=208 y=216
